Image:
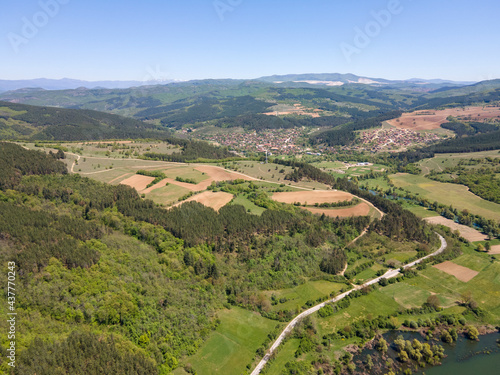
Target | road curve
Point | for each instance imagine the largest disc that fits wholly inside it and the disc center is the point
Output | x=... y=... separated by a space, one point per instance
x=288 y=329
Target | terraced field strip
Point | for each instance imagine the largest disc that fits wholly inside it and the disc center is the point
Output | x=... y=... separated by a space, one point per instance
x=324 y=196
x=470 y=234
x=215 y=200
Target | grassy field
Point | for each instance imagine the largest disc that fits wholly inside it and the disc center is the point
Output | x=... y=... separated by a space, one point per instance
x=406 y=295
x=341 y=169
x=167 y=195
x=374 y=304
x=367 y=274
x=298 y=296
x=375 y=183
x=249 y=206
x=442 y=161
x=233 y=344
x=185 y=172
x=271 y=172
x=485 y=289
x=112 y=149
x=329 y=164
x=419 y=210
x=449 y=194
x=285 y=355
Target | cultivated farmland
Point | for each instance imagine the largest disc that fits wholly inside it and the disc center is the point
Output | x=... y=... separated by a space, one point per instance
x=432 y=119
x=461 y=273
x=466 y=232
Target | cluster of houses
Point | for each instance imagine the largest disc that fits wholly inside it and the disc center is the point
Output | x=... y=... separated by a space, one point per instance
x=398 y=139
x=276 y=141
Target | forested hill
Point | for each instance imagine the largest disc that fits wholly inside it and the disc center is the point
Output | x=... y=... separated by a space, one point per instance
x=228 y=103
x=136 y=285
x=26 y=122
x=16 y=162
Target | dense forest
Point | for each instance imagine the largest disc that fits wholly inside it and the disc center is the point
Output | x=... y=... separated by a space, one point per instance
x=470 y=128
x=113 y=263
x=202 y=109
x=26 y=122
x=397 y=223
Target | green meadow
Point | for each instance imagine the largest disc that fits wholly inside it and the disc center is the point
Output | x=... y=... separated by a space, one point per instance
x=231 y=347
x=454 y=195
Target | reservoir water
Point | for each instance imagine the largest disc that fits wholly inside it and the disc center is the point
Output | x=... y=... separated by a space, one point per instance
x=470 y=357
x=465 y=357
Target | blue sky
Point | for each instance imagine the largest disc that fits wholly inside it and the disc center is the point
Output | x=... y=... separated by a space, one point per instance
x=194 y=39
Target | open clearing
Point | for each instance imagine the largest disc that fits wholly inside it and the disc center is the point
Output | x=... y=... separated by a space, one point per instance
x=312 y=197
x=210 y=199
x=441 y=161
x=461 y=273
x=233 y=344
x=449 y=194
x=138 y=182
x=470 y=234
x=362 y=209
x=432 y=119
x=296 y=109
x=214 y=173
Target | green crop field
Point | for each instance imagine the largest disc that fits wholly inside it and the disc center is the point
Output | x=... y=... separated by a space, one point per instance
x=232 y=346
x=449 y=194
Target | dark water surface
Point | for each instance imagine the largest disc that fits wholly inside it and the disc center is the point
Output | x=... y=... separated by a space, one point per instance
x=465 y=357
x=468 y=357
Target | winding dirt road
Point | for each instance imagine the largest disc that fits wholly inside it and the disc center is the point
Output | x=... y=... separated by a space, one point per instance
x=288 y=329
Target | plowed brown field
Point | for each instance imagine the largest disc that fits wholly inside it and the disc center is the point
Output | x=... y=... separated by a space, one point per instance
x=361 y=209
x=461 y=273
x=312 y=197
x=470 y=234
x=215 y=173
x=431 y=119
x=494 y=250
x=210 y=199
x=138 y=182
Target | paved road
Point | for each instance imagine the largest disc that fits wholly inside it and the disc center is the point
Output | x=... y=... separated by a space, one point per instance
x=288 y=329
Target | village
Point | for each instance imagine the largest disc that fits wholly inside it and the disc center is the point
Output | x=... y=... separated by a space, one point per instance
x=289 y=141
x=393 y=139
x=274 y=141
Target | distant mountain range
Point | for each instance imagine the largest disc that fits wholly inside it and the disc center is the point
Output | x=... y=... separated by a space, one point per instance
x=69 y=84
x=325 y=79
x=337 y=79
x=329 y=100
